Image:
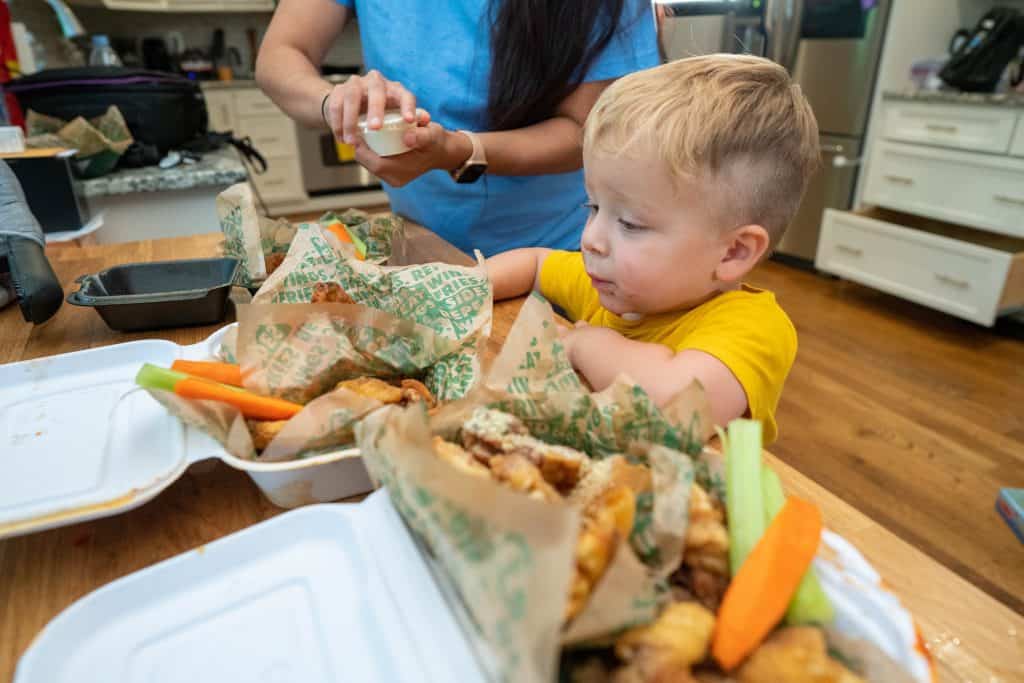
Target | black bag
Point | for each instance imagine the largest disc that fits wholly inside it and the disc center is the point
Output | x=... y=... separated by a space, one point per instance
x=161 y=109
x=978 y=64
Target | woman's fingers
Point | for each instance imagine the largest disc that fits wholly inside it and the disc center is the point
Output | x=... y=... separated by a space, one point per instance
x=350 y=103
x=401 y=98
x=423 y=137
x=376 y=98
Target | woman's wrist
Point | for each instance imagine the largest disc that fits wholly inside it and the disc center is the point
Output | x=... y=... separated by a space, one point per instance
x=457 y=150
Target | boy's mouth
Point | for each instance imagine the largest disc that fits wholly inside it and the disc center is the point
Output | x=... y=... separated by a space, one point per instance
x=600 y=284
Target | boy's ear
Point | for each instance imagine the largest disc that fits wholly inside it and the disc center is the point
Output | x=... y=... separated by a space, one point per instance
x=744 y=248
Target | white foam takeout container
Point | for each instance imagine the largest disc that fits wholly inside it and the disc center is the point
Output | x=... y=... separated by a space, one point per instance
x=345 y=592
x=325 y=593
x=80 y=441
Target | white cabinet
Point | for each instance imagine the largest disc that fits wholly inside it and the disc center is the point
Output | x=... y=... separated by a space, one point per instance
x=963 y=272
x=971 y=127
x=1017 y=146
x=945 y=227
x=250 y=113
x=221 y=110
x=977 y=190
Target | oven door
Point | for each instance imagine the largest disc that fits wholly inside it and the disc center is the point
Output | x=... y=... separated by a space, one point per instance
x=328 y=168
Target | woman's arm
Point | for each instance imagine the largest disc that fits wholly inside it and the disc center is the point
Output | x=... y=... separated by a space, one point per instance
x=288 y=65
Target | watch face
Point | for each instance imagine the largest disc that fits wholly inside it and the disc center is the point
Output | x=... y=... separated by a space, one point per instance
x=471 y=173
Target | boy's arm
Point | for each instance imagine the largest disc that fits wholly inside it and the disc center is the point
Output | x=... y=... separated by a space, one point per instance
x=600 y=354
x=517 y=272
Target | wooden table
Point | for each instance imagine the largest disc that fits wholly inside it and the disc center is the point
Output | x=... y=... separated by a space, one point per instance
x=973 y=636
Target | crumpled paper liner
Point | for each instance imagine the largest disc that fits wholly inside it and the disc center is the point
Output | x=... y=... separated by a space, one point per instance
x=510 y=556
x=425 y=321
x=258 y=241
x=100 y=141
x=250 y=236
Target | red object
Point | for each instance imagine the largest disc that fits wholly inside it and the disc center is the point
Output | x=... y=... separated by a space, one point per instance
x=9 y=68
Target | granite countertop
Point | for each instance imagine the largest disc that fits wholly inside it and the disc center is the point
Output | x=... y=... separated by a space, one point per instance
x=223 y=168
x=228 y=85
x=956 y=97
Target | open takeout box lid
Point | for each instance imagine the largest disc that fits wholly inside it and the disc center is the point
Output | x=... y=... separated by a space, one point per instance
x=325 y=593
x=81 y=441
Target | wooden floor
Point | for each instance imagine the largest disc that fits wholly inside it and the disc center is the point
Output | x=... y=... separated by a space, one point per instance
x=914 y=417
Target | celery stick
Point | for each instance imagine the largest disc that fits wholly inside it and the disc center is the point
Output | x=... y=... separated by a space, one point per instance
x=152 y=377
x=809 y=605
x=359 y=244
x=744 y=501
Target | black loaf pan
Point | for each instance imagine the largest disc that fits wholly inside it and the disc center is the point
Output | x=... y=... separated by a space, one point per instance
x=151 y=296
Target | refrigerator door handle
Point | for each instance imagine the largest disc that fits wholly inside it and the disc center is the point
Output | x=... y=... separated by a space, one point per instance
x=840 y=161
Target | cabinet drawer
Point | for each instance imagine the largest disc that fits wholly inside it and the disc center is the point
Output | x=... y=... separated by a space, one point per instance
x=221 y=109
x=971 y=127
x=1017 y=146
x=967 y=273
x=254 y=102
x=976 y=190
x=281 y=182
x=273 y=136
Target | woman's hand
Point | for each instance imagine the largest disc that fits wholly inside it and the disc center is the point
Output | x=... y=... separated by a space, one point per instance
x=371 y=93
x=432 y=147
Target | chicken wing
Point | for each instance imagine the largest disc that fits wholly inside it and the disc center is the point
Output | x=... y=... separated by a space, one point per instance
x=706 y=550
x=491 y=432
x=794 y=655
x=666 y=649
x=520 y=474
x=607 y=522
x=374 y=388
x=454 y=453
x=414 y=391
x=330 y=293
x=264 y=431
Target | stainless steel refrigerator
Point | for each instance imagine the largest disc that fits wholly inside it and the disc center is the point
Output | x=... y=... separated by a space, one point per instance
x=837 y=75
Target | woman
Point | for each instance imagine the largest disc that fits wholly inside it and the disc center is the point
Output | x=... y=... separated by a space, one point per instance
x=517 y=78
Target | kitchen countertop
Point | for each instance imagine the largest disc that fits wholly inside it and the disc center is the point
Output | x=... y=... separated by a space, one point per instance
x=220 y=168
x=228 y=85
x=955 y=97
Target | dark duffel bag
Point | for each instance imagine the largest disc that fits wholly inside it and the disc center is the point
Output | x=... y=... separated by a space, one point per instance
x=161 y=109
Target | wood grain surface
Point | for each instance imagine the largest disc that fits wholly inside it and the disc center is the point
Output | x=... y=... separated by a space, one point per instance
x=974 y=636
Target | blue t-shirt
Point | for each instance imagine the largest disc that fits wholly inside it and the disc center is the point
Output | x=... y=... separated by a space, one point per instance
x=443 y=56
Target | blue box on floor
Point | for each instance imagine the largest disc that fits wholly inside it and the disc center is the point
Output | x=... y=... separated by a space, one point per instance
x=1010 y=505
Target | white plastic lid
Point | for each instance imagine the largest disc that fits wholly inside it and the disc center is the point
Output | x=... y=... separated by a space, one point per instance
x=324 y=593
x=393 y=120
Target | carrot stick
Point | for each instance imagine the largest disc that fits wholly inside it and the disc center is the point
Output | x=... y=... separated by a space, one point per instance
x=760 y=592
x=225 y=373
x=251 y=405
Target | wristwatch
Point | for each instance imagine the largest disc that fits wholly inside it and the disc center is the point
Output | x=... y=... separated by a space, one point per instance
x=475 y=166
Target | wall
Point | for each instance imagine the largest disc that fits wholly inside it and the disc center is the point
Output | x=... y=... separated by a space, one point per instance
x=196 y=28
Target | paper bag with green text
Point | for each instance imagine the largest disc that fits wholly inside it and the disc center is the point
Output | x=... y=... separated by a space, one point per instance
x=509 y=556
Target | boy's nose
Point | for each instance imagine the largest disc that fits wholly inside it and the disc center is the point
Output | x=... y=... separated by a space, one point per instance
x=593 y=239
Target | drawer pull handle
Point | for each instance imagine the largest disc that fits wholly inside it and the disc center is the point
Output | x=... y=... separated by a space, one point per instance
x=1009 y=200
x=271 y=183
x=902 y=180
x=939 y=128
x=952 y=281
x=852 y=251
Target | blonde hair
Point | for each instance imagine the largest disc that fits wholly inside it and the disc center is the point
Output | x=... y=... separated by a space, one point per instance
x=737 y=122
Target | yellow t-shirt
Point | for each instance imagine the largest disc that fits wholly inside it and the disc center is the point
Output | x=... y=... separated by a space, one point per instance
x=745 y=329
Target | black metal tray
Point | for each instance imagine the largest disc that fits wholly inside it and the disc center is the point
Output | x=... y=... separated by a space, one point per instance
x=161 y=294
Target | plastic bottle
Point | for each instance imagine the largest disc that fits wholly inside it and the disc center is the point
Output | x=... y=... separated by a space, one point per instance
x=102 y=54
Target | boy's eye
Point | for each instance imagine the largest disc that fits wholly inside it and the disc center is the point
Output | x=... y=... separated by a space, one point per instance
x=592 y=208
x=631 y=227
